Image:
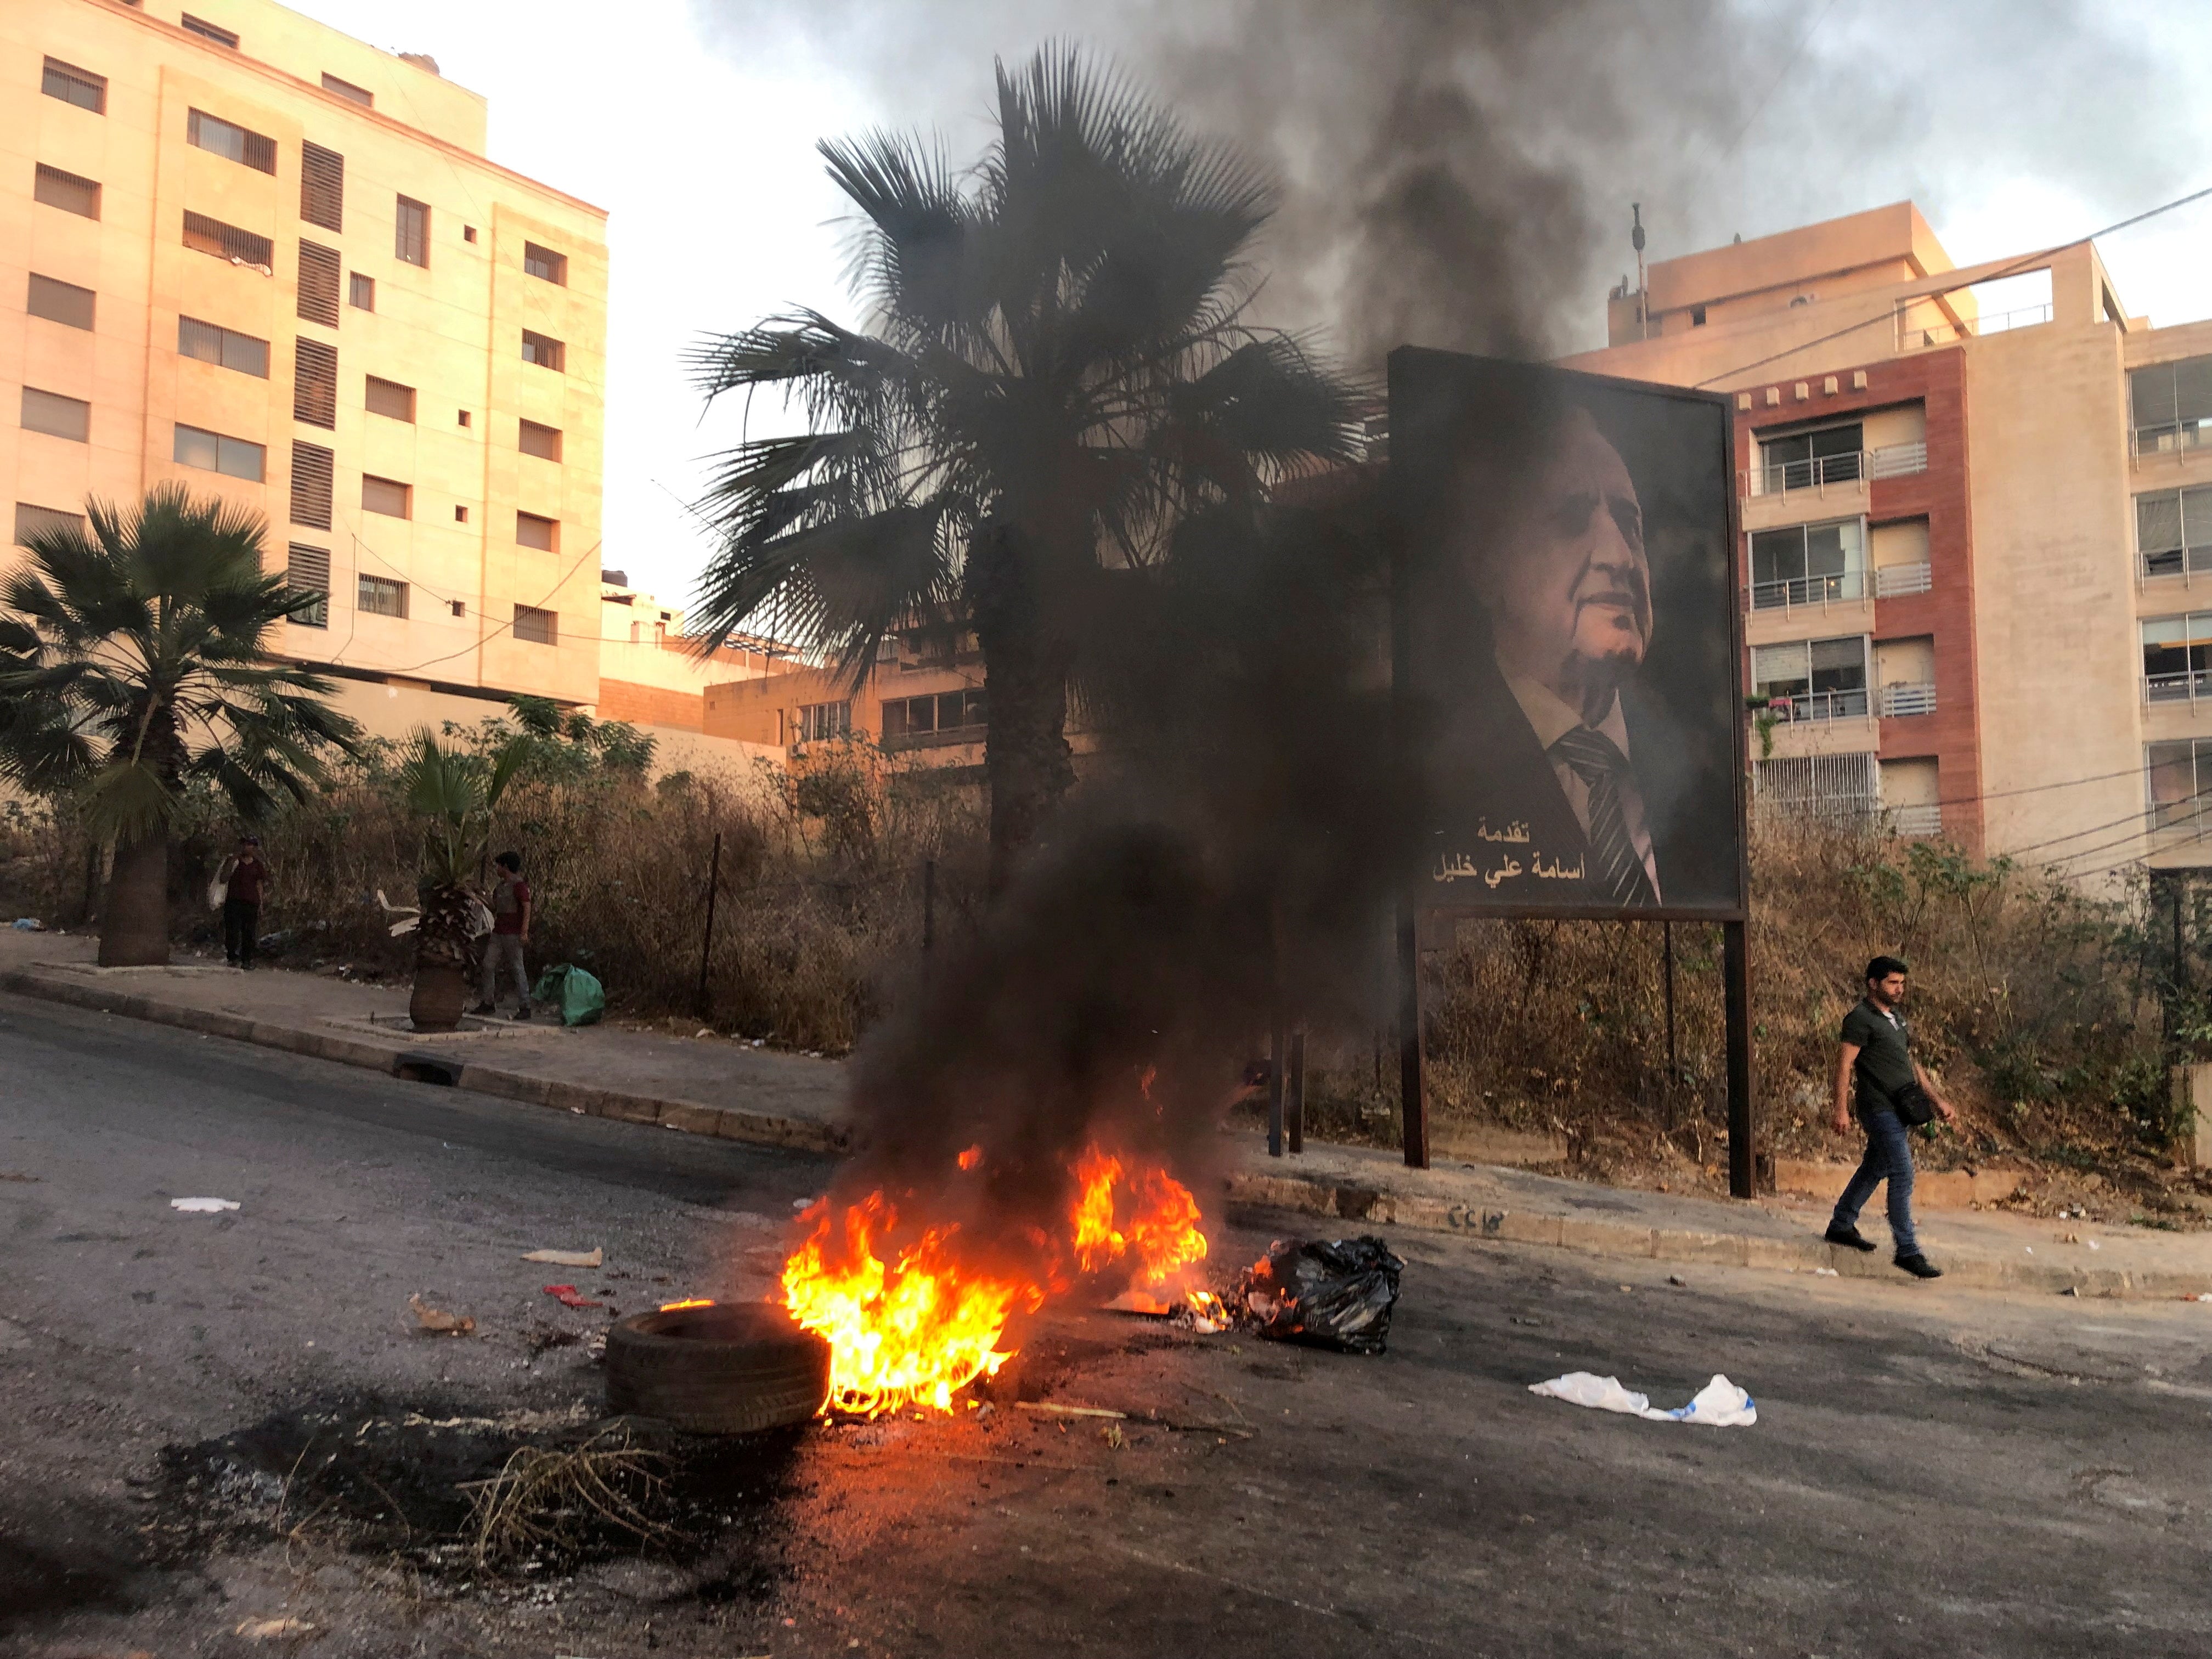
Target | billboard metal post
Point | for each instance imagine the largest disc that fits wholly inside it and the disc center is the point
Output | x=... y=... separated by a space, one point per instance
x=1735 y=971
x=706 y=939
x=1674 y=1067
x=1295 y=1110
x=1412 y=1103
x=1276 y=1044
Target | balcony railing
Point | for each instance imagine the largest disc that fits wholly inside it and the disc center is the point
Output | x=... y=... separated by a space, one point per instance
x=1915 y=823
x=1818 y=706
x=1897 y=700
x=1944 y=331
x=1808 y=590
x=2177 y=562
x=2184 y=687
x=1891 y=581
x=2169 y=439
x=1821 y=473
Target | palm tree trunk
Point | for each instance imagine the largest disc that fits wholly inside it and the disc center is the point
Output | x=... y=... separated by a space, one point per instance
x=134 y=926
x=1026 y=758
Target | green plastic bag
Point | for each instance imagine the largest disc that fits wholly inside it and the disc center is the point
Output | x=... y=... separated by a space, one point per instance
x=580 y=997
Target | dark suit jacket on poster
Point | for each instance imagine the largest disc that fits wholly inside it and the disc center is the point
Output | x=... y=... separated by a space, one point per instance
x=1503 y=835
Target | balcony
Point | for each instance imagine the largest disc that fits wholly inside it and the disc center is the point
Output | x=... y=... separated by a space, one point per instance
x=1820 y=474
x=2146 y=442
x=2187 y=686
x=1818 y=706
x=2176 y=562
x=1915 y=823
x=1844 y=585
x=1901 y=699
x=1893 y=581
x=1946 y=331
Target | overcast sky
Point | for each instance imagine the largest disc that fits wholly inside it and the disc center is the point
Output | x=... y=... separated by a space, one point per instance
x=2015 y=126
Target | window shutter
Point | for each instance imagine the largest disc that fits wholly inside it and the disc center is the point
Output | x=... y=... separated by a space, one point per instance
x=315 y=384
x=389 y=398
x=312 y=470
x=67 y=191
x=60 y=302
x=307 y=571
x=322 y=186
x=242 y=247
x=318 y=283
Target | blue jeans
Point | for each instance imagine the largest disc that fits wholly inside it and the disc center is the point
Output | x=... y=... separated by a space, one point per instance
x=1888 y=1157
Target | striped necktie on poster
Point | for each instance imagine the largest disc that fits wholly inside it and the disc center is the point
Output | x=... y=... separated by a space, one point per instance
x=1616 y=869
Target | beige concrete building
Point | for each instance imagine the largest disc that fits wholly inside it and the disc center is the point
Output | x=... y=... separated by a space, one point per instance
x=245 y=251
x=1970 y=534
x=923 y=698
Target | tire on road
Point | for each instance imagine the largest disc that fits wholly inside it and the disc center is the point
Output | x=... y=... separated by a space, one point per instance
x=727 y=1368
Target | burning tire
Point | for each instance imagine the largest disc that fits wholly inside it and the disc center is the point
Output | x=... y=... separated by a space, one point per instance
x=730 y=1368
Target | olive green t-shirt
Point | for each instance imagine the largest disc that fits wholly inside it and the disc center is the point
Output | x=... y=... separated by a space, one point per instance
x=1884 y=1064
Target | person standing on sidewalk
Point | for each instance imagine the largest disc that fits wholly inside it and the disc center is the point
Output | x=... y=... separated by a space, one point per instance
x=510 y=932
x=1877 y=1054
x=243 y=875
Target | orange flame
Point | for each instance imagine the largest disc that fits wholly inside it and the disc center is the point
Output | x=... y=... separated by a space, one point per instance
x=912 y=1323
x=689 y=1302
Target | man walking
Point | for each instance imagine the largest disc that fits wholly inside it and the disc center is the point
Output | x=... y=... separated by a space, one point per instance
x=244 y=875
x=1876 y=1052
x=510 y=932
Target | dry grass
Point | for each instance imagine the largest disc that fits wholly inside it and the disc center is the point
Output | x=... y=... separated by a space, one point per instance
x=550 y=1499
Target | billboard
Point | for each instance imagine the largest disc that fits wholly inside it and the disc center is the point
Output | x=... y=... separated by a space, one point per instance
x=1568 y=648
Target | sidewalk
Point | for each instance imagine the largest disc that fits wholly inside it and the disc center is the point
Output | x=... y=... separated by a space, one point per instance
x=724 y=1088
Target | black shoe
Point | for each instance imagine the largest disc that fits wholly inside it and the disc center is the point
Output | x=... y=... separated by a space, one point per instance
x=483 y=1008
x=523 y=1013
x=1849 y=1238
x=1918 y=1266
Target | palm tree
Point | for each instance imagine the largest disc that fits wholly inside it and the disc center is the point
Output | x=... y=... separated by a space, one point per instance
x=132 y=665
x=455 y=792
x=1059 y=374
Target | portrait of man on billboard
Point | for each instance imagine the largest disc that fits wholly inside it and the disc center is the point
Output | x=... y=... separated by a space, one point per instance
x=1568 y=648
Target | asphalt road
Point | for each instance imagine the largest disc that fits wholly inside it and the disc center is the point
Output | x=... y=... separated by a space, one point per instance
x=1934 y=1472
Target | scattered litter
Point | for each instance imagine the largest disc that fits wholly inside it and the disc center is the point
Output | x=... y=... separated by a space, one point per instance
x=2094 y=1245
x=1827 y=1273
x=19 y=1174
x=1336 y=1294
x=568 y=1296
x=29 y=925
x=1677 y=1279
x=2202 y=1295
x=595 y=1351
x=2030 y=1248
x=574 y=994
x=591 y=1258
x=1719 y=1404
x=704 y=1031
x=203 y=1206
x=438 y=1322
x=800 y=1203
x=1112 y=1435
x=272 y=1630
x=1051 y=1409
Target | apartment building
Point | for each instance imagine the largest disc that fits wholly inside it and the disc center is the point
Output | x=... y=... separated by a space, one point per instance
x=244 y=252
x=653 y=677
x=922 y=699
x=1974 y=504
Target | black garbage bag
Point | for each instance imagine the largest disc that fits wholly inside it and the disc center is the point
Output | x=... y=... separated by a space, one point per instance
x=1335 y=1293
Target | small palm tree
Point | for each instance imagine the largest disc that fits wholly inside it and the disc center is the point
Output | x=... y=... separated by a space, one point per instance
x=455 y=793
x=133 y=664
x=1058 y=375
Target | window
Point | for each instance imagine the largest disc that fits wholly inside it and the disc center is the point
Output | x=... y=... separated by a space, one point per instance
x=211 y=452
x=2178 y=776
x=1697 y=316
x=60 y=302
x=347 y=90
x=2173 y=530
x=56 y=415
x=318 y=284
x=212 y=343
x=241 y=247
x=544 y=264
x=313 y=468
x=207 y=31
x=1837 y=788
x=411 y=238
x=67 y=191
x=468 y=233
x=308 y=572
x=948 y=712
x=385 y=495
x=390 y=399
x=540 y=440
x=2170 y=404
x=462 y=416
x=535 y=627
x=1813 y=679
x=380 y=596
x=533 y=531
x=819 y=722
x=460 y=607
x=1808 y=564
x=2178 y=655
x=460 y=514
x=315 y=384
x=545 y=353
x=74 y=86
x=360 y=291
x=322 y=186
x=44 y=520
x=1800 y=461
x=230 y=141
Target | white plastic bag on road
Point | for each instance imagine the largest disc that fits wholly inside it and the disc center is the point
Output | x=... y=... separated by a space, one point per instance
x=1719 y=1404
x=204 y=1206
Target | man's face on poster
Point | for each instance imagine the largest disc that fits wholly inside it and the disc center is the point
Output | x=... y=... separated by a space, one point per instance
x=1566 y=582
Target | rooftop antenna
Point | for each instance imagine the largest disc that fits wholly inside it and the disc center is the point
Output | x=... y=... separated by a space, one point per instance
x=1643 y=296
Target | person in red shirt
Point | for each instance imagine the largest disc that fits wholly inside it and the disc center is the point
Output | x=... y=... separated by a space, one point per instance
x=244 y=875
x=510 y=932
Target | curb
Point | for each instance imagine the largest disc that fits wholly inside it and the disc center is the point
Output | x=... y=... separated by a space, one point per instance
x=1591 y=1237
x=722 y=1122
